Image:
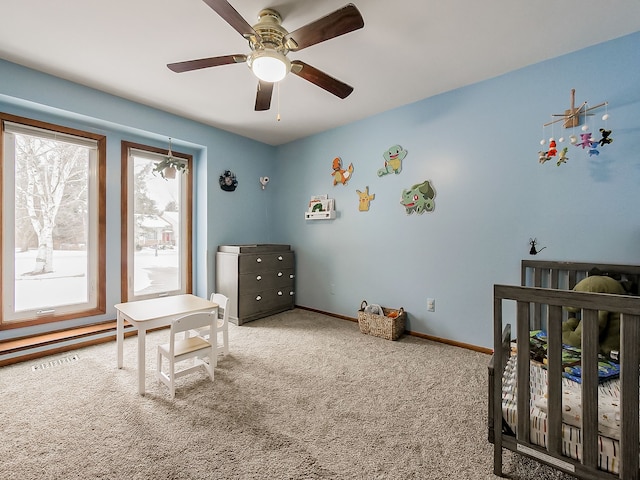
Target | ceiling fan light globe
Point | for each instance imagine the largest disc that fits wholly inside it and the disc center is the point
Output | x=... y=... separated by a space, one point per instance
x=269 y=65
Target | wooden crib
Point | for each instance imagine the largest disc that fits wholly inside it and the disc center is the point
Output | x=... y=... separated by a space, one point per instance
x=539 y=303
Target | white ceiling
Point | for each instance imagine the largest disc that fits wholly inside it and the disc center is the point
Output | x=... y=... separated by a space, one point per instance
x=408 y=50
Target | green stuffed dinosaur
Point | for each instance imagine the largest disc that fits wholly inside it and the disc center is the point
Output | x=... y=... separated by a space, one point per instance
x=608 y=322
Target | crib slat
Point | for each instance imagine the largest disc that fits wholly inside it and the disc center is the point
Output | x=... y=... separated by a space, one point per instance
x=554 y=381
x=523 y=372
x=499 y=361
x=538 y=278
x=590 y=387
x=629 y=335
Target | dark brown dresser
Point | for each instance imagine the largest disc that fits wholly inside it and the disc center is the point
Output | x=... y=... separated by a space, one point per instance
x=258 y=279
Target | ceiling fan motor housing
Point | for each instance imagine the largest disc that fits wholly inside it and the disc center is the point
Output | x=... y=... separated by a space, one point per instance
x=271 y=32
x=269 y=45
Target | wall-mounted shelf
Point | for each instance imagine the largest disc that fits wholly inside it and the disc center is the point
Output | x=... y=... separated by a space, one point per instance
x=321 y=207
x=324 y=215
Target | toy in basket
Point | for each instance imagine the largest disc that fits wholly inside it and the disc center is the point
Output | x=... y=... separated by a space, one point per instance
x=388 y=324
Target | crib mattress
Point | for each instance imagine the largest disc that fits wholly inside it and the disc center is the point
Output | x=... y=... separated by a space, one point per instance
x=608 y=411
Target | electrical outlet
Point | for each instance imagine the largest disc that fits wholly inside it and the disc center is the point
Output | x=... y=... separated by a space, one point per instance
x=431 y=304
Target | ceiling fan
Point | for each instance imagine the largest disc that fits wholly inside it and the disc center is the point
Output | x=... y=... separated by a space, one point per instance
x=270 y=43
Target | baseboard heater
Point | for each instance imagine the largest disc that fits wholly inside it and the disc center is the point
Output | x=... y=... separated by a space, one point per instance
x=27 y=348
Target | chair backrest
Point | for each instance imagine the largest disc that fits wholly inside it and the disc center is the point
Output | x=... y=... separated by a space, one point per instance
x=192 y=321
x=223 y=305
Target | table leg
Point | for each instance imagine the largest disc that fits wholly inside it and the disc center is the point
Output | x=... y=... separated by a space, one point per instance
x=119 y=337
x=141 y=359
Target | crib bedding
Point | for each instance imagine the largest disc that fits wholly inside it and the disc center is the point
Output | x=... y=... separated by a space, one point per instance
x=608 y=411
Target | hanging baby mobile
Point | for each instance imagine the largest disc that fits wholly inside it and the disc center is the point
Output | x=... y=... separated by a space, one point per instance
x=339 y=174
x=392 y=160
x=419 y=198
x=228 y=181
x=572 y=118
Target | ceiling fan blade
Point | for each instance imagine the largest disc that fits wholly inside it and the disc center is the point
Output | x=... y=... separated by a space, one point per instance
x=344 y=20
x=232 y=17
x=263 y=96
x=189 y=65
x=321 y=79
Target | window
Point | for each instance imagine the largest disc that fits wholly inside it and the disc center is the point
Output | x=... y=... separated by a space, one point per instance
x=156 y=225
x=53 y=222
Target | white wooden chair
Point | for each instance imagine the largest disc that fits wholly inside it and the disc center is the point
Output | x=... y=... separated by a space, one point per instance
x=222 y=326
x=178 y=350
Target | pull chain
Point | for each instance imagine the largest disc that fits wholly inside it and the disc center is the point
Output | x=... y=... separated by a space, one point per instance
x=278 y=100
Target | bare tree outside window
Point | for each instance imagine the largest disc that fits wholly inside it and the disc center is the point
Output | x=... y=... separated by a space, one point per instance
x=51 y=222
x=51 y=191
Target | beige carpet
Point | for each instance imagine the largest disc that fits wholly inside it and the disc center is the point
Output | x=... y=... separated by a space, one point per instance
x=301 y=396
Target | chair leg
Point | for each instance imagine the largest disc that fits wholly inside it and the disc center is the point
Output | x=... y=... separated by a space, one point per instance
x=212 y=363
x=159 y=367
x=225 y=339
x=172 y=379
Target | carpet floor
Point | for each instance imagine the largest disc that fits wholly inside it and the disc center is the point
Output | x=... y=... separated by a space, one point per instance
x=300 y=396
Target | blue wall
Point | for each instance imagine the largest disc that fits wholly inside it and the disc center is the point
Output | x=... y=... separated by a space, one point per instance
x=217 y=213
x=478 y=145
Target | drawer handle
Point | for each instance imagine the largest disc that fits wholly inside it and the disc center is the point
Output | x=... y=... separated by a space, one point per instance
x=291 y=275
x=279 y=274
x=259 y=277
x=280 y=293
x=280 y=257
x=258 y=298
x=291 y=293
x=259 y=260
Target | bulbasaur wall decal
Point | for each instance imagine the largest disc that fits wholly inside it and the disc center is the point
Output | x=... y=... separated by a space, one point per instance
x=393 y=160
x=419 y=198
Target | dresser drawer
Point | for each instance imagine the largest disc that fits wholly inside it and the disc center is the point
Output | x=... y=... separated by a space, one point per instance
x=258 y=281
x=264 y=262
x=265 y=301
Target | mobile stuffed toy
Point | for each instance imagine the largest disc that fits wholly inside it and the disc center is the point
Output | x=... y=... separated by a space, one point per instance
x=543 y=156
x=606 y=139
x=563 y=156
x=585 y=140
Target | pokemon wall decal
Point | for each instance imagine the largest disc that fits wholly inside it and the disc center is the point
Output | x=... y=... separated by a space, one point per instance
x=339 y=174
x=365 y=199
x=419 y=198
x=392 y=160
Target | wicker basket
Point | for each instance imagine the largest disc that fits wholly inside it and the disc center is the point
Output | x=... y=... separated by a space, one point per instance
x=382 y=326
